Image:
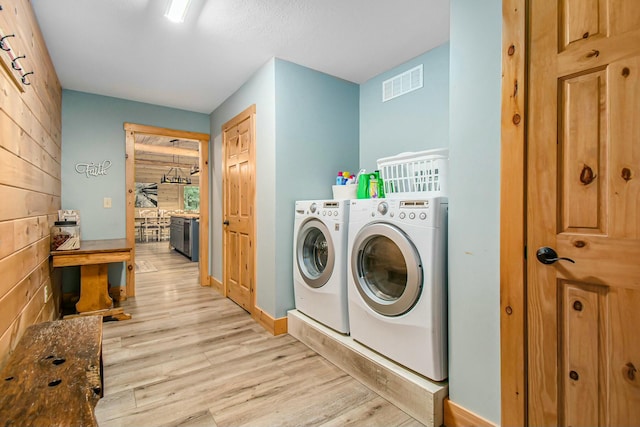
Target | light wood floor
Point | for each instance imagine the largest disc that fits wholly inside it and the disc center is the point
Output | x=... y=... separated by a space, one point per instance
x=190 y=357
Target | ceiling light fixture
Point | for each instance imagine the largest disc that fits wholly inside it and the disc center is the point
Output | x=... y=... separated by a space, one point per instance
x=177 y=10
x=177 y=178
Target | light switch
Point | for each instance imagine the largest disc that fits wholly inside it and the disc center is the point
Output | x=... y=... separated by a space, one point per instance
x=107 y=202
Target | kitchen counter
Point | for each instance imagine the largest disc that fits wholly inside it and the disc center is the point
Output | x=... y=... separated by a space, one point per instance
x=186 y=215
x=184 y=235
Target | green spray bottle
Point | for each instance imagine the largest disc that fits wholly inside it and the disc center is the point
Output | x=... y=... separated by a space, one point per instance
x=363 y=185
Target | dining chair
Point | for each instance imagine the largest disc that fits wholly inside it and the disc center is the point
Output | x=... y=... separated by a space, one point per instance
x=151 y=227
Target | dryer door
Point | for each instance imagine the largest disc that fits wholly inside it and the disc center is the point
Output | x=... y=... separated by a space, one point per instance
x=386 y=268
x=315 y=254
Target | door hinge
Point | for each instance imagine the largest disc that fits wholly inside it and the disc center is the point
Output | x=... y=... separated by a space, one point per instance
x=525 y=252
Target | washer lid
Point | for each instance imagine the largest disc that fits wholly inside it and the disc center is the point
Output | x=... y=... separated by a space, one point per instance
x=386 y=268
x=315 y=253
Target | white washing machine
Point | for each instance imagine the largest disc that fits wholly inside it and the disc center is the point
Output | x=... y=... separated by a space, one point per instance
x=397 y=281
x=320 y=261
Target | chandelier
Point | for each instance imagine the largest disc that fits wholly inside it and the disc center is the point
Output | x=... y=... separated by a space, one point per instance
x=176 y=178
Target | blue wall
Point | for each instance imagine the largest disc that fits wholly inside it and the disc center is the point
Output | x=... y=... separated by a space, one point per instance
x=258 y=90
x=416 y=121
x=306 y=130
x=92 y=131
x=316 y=136
x=425 y=119
x=474 y=215
x=316 y=130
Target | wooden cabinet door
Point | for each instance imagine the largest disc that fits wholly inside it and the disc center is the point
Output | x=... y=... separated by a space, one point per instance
x=238 y=209
x=583 y=200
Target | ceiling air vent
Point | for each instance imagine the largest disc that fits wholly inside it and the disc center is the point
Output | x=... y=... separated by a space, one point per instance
x=402 y=83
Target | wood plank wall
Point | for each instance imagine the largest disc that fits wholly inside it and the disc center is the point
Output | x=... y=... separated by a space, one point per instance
x=169 y=195
x=30 y=152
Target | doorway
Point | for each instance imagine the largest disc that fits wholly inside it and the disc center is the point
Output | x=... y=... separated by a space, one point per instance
x=135 y=137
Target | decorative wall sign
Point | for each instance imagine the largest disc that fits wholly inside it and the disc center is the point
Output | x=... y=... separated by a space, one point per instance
x=146 y=195
x=93 y=169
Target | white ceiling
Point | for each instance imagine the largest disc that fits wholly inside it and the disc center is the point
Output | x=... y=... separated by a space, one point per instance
x=128 y=49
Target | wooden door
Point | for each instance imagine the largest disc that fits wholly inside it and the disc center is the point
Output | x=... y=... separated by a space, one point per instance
x=583 y=200
x=238 y=209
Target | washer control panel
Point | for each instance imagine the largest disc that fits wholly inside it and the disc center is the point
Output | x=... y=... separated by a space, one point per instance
x=329 y=209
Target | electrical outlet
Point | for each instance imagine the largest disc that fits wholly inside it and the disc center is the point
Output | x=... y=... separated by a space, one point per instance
x=107 y=202
x=46 y=293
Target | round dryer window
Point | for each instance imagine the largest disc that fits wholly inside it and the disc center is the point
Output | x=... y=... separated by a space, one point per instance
x=315 y=254
x=387 y=269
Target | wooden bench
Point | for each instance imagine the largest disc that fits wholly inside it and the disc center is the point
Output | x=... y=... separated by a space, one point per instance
x=54 y=376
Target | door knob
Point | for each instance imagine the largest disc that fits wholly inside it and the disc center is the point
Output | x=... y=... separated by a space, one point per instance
x=225 y=222
x=547 y=255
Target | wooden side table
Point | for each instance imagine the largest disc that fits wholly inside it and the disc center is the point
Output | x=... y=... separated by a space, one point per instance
x=94 y=257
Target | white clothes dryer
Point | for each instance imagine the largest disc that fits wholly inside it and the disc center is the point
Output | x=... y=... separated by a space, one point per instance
x=397 y=281
x=320 y=261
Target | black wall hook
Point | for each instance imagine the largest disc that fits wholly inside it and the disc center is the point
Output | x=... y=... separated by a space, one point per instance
x=24 y=78
x=14 y=62
x=2 y=45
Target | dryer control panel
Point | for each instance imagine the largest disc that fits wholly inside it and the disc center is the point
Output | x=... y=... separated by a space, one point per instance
x=427 y=212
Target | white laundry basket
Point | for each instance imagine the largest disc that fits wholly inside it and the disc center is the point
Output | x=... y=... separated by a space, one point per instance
x=415 y=174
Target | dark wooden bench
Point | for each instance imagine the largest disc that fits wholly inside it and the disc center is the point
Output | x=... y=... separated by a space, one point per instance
x=54 y=376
